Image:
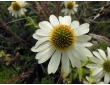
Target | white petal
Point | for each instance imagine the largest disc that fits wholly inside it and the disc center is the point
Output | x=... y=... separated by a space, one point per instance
x=78 y=54
x=46 y=56
x=19 y=14
x=98 y=55
x=108 y=51
x=9 y=8
x=96 y=60
x=84 y=50
x=54 y=62
x=37 y=37
x=71 y=57
x=96 y=71
x=87 y=78
x=78 y=63
x=42 y=47
x=53 y=20
x=63 y=10
x=42 y=32
x=75 y=62
x=60 y=19
x=74 y=25
x=43 y=53
x=99 y=75
x=82 y=29
x=67 y=20
x=75 y=9
x=103 y=55
x=92 y=66
x=72 y=12
x=45 y=25
x=107 y=78
x=85 y=82
x=76 y=5
x=66 y=11
x=83 y=38
x=65 y=62
x=39 y=42
x=24 y=9
x=85 y=44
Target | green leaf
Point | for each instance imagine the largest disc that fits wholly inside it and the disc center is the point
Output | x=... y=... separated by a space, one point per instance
x=80 y=73
x=32 y=22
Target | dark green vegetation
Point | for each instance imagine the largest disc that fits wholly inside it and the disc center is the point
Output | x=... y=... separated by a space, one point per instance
x=17 y=62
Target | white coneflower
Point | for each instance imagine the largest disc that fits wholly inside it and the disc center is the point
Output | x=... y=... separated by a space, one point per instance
x=62 y=40
x=101 y=65
x=17 y=8
x=70 y=7
x=92 y=81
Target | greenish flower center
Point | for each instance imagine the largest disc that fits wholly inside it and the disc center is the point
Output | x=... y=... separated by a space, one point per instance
x=15 y=6
x=62 y=37
x=70 y=5
x=106 y=66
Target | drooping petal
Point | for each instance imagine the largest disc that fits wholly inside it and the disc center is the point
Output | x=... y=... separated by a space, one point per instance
x=54 y=62
x=65 y=62
x=100 y=75
x=53 y=20
x=45 y=25
x=96 y=71
x=74 y=25
x=107 y=78
x=82 y=29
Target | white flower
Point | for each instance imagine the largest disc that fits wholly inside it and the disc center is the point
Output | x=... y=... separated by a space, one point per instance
x=17 y=8
x=70 y=7
x=101 y=65
x=62 y=40
x=92 y=81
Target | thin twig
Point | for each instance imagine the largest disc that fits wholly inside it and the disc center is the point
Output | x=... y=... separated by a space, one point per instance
x=22 y=75
x=100 y=38
x=8 y=30
x=41 y=9
x=59 y=79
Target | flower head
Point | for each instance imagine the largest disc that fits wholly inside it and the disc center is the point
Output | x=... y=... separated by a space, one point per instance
x=70 y=7
x=17 y=8
x=101 y=65
x=62 y=40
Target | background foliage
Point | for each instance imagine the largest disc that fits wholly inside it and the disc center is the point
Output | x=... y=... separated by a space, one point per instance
x=18 y=63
